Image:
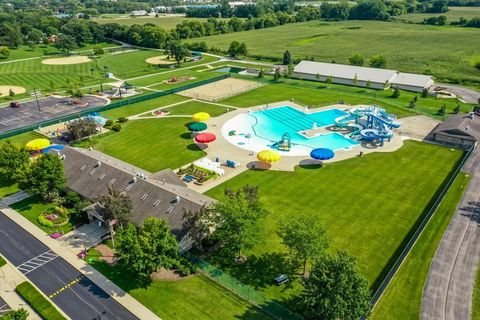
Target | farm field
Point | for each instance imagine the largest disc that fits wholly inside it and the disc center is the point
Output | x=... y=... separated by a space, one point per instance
x=454 y=14
x=409 y=281
x=194 y=297
x=317 y=94
x=327 y=41
x=370 y=225
x=166 y=22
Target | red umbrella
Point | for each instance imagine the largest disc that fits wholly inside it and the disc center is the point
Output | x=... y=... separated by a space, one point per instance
x=205 y=137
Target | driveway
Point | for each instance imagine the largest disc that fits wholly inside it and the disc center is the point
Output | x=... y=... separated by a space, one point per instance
x=467 y=94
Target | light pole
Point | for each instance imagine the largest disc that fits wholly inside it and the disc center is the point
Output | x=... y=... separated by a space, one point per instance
x=36 y=98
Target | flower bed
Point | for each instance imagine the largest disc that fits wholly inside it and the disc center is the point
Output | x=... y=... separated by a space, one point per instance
x=57 y=218
x=201 y=175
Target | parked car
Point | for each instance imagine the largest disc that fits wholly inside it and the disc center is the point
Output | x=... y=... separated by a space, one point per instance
x=14 y=105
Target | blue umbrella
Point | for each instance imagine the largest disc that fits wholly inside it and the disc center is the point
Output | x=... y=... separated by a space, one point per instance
x=322 y=154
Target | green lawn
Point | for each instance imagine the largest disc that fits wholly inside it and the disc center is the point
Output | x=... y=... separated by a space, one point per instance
x=151 y=144
x=407 y=47
x=25 y=52
x=454 y=14
x=7 y=187
x=476 y=298
x=32 y=207
x=156 y=82
x=166 y=22
x=2 y=262
x=22 y=139
x=409 y=281
x=38 y=302
x=191 y=107
x=318 y=94
x=194 y=297
x=144 y=106
x=369 y=206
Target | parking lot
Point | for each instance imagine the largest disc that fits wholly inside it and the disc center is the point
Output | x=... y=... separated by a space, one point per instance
x=47 y=108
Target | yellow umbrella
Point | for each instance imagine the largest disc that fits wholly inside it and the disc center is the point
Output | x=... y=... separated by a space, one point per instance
x=268 y=156
x=201 y=116
x=37 y=144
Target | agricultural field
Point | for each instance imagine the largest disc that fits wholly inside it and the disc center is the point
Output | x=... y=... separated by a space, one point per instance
x=166 y=22
x=371 y=225
x=454 y=14
x=407 y=47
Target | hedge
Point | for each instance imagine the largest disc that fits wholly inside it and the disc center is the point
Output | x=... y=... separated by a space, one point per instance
x=2 y=262
x=38 y=302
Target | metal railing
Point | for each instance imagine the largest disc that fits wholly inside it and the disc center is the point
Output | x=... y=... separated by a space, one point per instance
x=267 y=305
x=114 y=105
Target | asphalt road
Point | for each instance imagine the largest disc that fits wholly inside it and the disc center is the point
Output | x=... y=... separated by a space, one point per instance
x=447 y=293
x=80 y=298
x=51 y=107
x=4 y=308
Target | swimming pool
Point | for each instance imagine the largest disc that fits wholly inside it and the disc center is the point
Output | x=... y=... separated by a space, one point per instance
x=259 y=130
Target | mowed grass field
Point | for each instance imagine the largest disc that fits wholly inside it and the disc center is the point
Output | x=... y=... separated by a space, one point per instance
x=454 y=14
x=166 y=22
x=447 y=51
x=402 y=299
x=368 y=206
x=317 y=94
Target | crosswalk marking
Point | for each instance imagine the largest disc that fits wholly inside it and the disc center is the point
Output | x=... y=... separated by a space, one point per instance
x=68 y=285
x=37 y=262
x=4 y=308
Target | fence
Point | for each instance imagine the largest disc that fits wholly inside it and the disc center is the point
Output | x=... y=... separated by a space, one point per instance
x=421 y=227
x=270 y=307
x=113 y=105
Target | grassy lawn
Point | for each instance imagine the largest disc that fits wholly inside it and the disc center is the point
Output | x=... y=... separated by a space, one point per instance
x=194 y=297
x=409 y=281
x=2 y=262
x=407 y=47
x=25 y=52
x=7 y=187
x=22 y=139
x=454 y=14
x=151 y=144
x=476 y=298
x=38 y=302
x=142 y=107
x=318 y=94
x=32 y=207
x=369 y=206
x=157 y=83
x=166 y=22
x=191 y=107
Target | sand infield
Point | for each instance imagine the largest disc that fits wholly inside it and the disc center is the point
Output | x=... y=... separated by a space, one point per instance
x=220 y=90
x=159 y=60
x=5 y=90
x=66 y=60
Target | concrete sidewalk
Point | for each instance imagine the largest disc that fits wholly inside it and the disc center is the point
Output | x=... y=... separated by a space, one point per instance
x=68 y=250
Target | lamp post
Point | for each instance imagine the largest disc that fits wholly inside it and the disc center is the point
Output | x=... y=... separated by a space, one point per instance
x=36 y=98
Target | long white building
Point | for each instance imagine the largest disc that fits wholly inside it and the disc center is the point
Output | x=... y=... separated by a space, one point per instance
x=360 y=76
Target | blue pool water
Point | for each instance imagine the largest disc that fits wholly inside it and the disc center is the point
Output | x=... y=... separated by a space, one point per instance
x=271 y=124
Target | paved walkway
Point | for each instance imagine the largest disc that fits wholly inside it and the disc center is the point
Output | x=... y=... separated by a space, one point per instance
x=448 y=291
x=68 y=250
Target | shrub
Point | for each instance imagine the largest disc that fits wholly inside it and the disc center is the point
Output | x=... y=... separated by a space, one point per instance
x=2 y=262
x=42 y=219
x=122 y=119
x=116 y=127
x=396 y=93
x=71 y=199
x=108 y=123
x=38 y=302
x=19 y=314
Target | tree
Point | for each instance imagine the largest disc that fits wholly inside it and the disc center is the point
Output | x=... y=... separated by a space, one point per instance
x=44 y=176
x=260 y=73
x=117 y=205
x=11 y=93
x=237 y=49
x=5 y=52
x=98 y=51
x=65 y=43
x=442 y=110
x=147 y=248
x=329 y=80
x=368 y=84
x=335 y=290
x=52 y=86
x=198 y=223
x=396 y=92
x=178 y=51
x=424 y=93
x=287 y=58
x=74 y=90
x=304 y=237
x=276 y=75
x=356 y=60
x=355 y=80
x=236 y=218
x=34 y=36
x=378 y=61
x=19 y=314
x=12 y=159
x=369 y=10
x=412 y=104
x=81 y=128
x=456 y=110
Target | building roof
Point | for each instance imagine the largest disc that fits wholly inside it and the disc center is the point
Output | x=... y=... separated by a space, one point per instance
x=412 y=79
x=90 y=176
x=345 y=71
x=461 y=126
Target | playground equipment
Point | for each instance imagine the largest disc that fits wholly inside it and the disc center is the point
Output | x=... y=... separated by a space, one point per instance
x=284 y=144
x=368 y=123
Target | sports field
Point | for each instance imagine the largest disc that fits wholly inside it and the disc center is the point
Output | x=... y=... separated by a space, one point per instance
x=166 y=22
x=454 y=14
x=407 y=47
x=367 y=205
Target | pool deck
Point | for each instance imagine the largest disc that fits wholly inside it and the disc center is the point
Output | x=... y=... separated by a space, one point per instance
x=224 y=150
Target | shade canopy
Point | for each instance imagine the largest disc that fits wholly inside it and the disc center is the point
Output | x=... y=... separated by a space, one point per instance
x=205 y=137
x=201 y=116
x=322 y=154
x=197 y=126
x=37 y=144
x=268 y=156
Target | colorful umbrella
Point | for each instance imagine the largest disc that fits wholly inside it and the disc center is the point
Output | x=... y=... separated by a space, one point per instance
x=206 y=137
x=37 y=144
x=268 y=156
x=200 y=116
x=322 y=154
x=197 y=126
